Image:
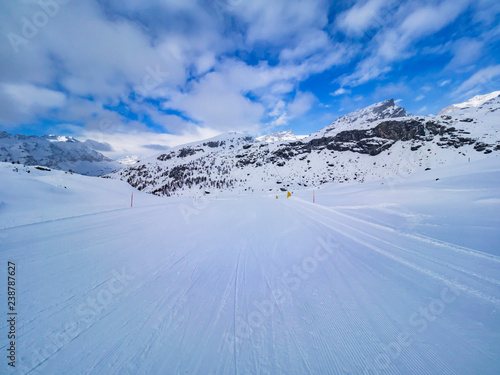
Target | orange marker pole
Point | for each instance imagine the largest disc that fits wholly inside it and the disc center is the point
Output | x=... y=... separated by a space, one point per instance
x=132 y=200
x=313 y=197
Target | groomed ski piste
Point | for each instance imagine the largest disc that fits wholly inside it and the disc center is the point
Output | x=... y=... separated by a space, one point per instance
x=395 y=276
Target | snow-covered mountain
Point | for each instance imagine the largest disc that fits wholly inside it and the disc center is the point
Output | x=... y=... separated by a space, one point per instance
x=362 y=118
x=56 y=152
x=286 y=135
x=475 y=102
x=376 y=142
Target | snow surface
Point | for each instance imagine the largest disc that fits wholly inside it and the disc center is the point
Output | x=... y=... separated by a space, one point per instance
x=394 y=276
x=29 y=195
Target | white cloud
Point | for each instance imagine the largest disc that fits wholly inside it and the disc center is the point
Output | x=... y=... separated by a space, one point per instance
x=466 y=51
x=282 y=112
x=431 y=18
x=366 y=70
x=281 y=22
x=340 y=91
x=361 y=17
x=310 y=43
x=22 y=102
x=445 y=82
x=283 y=87
x=394 y=43
x=281 y=120
x=422 y=110
x=138 y=143
x=479 y=81
x=486 y=11
x=301 y=104
x=30 y=95
x=100 y=53
x=216 y=102
x=390 y=90
x=419 y=98
x=278 y=109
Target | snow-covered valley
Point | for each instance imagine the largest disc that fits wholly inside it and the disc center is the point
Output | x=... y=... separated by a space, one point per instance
x=394 y=276
x=229 y=187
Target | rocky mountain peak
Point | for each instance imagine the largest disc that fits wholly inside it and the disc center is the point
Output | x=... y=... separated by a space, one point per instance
x=386 y=109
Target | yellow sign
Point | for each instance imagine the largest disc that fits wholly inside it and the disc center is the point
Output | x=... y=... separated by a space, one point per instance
x=288 y=195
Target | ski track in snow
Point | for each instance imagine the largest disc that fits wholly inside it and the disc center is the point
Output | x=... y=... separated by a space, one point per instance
x=194 y=284
x=334 y=224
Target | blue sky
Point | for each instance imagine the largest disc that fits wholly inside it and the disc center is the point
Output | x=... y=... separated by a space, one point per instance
x=134 y=75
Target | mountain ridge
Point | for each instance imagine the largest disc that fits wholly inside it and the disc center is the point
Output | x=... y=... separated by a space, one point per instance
x=58 y=152
x=379 y=141
x=474 y=102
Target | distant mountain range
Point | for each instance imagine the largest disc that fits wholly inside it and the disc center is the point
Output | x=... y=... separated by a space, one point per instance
x=475 y=102
x=376 y=142
x=381 y=140
x=286 y=135
x=65 y=153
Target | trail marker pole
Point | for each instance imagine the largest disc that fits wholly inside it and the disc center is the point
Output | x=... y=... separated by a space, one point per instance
x=132 y=200
x=314 y=200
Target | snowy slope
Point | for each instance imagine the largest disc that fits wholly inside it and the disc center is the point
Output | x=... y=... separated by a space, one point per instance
x=475 y=102
x=396 y=276
x=30 y=195
x=369 y=144
x=57 y=152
